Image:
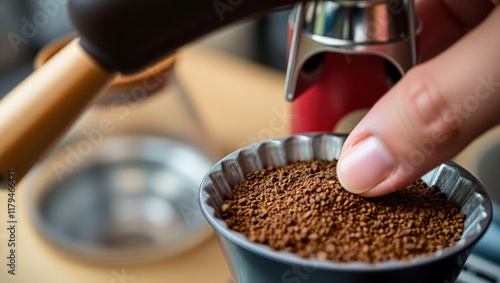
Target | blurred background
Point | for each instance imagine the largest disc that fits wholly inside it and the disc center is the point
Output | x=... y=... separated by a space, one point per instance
x=26 y=26
x=244 y=108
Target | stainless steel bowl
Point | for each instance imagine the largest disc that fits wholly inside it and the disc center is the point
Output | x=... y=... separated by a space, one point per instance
x=251 y=262
x=132 y=198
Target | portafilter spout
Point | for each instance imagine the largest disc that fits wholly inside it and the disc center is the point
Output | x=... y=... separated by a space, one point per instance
x=115 y=36
x=384 y=28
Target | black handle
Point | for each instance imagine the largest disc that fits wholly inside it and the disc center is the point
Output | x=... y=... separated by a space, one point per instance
x=128 y=35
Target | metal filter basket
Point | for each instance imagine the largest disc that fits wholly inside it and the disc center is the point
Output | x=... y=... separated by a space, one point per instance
x=251 y=262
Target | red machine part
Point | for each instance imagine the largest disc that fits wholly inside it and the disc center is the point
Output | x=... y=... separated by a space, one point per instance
x=347 y=83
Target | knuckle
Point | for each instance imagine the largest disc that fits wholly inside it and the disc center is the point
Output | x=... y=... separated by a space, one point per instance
x=427 y=109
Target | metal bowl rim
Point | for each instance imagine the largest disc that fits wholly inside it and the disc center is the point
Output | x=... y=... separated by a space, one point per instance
x=94 y=252
x=293 y=259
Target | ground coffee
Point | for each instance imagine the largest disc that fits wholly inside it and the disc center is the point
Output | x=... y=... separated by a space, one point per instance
x=302 y=208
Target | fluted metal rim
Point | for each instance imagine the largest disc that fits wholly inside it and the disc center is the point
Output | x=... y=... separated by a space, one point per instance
x=457 y=183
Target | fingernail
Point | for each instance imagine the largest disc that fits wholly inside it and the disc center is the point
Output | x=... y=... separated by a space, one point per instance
x=364 y=165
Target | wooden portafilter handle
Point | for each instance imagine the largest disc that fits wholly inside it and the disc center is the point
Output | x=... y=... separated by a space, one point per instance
x=35 y=114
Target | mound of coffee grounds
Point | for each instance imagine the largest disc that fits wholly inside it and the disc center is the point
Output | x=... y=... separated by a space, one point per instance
x=302 y=208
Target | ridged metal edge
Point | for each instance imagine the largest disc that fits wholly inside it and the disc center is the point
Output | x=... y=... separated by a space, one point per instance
x=458 y=185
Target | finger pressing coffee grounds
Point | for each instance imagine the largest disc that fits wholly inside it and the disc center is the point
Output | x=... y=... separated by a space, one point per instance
x=302 y=208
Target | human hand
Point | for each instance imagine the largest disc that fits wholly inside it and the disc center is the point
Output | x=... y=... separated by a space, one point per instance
x=437 y=108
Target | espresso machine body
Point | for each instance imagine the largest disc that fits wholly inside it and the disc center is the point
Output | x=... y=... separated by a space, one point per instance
x=344 y=55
